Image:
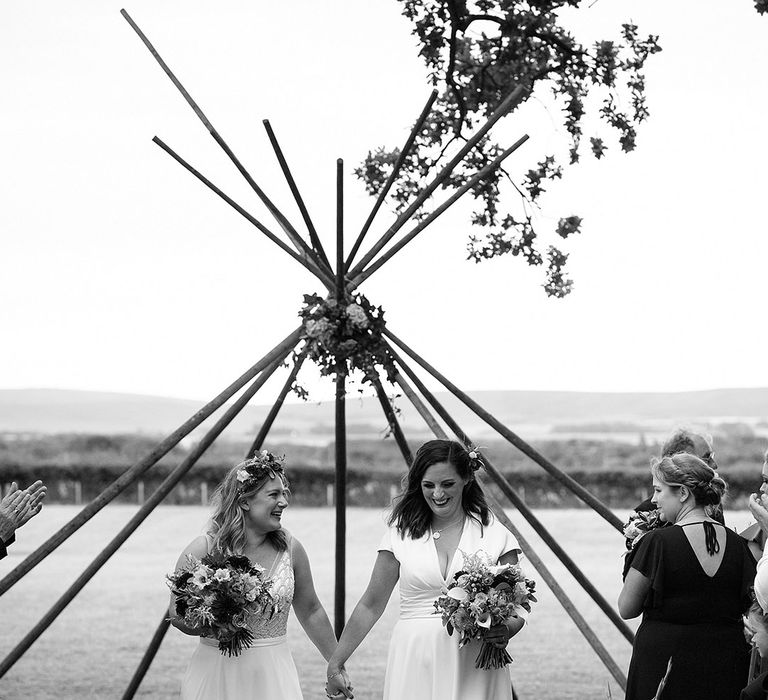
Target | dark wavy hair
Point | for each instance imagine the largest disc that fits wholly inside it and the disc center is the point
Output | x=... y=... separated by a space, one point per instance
x=410 y=513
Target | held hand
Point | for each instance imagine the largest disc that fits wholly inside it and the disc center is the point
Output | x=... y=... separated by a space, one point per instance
x=758 y=505
x=338 y=684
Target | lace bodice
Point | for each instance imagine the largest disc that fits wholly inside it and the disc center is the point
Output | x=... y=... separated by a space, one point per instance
x=281 y=573
x=282 y=590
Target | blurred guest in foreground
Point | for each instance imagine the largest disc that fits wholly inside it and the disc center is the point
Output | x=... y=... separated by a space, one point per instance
x=756 y=629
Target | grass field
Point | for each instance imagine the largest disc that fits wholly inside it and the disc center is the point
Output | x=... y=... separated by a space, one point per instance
x=91 y=650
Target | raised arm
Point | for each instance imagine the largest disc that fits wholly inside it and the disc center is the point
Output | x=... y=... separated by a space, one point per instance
x=198 y=548
x=309 y=611
x=384 y=576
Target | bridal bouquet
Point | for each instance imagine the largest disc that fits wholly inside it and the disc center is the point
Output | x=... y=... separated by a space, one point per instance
x=482 y=595
x=640 y=524
x=222 y=595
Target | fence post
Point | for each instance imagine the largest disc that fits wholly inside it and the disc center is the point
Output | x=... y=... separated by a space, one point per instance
x=329 y=495
x=203 y=493
x=78 y=493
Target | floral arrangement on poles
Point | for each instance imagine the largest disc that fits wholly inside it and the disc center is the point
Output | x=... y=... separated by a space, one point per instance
x=222 y=596
x=482 y=595
x=346 y=334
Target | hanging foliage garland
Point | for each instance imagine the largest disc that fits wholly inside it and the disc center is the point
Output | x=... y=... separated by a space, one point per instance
x=346 y=335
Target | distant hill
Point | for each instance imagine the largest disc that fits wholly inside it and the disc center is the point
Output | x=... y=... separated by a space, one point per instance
x=531 y=413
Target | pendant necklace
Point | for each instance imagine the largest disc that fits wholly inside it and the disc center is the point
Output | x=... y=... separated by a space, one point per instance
x=436 y=533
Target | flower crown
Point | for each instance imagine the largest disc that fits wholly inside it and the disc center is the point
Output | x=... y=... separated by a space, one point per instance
x=259 y=467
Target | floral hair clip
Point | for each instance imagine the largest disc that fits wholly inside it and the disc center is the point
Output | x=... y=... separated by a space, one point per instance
x=260 y=466
x=475 y=459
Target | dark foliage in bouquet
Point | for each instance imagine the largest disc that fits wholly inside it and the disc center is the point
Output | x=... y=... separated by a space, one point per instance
x=482 y=595
x=221 y=596
x=477 y=53
x=346 y=335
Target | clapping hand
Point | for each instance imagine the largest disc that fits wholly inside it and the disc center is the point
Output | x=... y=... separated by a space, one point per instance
x=338 y=685
x=758 y=505
x=19 y=506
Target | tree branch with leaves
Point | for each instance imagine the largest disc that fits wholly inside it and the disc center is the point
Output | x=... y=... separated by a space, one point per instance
x=476 y=53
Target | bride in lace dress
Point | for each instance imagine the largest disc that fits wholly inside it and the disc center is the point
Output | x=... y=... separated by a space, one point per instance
x=248 y=507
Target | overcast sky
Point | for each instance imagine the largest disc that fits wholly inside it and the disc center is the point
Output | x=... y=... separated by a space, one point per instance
x=121 y=272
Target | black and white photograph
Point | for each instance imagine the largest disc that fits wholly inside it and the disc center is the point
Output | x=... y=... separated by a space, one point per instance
x=388 y=350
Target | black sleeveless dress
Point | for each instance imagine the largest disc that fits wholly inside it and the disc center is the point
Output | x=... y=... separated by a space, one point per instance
x=692 y=618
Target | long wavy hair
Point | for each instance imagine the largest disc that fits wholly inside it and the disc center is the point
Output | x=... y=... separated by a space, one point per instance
x=227 y=527
x=410 y=513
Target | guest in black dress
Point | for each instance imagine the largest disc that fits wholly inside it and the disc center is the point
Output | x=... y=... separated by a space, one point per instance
x=691 y=583
x=756 y=629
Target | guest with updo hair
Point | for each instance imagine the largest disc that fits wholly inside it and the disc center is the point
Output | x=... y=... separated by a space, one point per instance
x=691 y=584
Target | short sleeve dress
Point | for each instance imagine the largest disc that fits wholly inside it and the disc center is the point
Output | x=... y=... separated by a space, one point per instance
x=692 y=618
x=424 y=662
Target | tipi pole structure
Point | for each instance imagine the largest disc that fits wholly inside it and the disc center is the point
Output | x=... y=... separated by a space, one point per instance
x=270 y=419
x=422 y=410
x=134 y=472
x=508 y=104
x=511 y=437
x=148 y=658
x=477 y=177
x=318 y=246
x=404 y=153
x=323 y=275
x=394 y=424
x=536 y=561
x=159 y=494
x=341 y=424
x=525 y=511
x=162 y=628
x=290 y=231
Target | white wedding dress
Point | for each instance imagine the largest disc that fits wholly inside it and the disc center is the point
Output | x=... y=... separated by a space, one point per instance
x=424 y=662
x=263 y=671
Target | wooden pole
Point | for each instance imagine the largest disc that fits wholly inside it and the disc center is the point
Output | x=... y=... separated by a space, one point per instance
x=341 y=423
x=509 y=103
x=270 y=419
x=477 y=177
x=157 y=496
x=134 y=472
x=318 y=246
x=394 y=424
x=323 y=275
x=404 y=152
x=290 y=231
x=149 y=656
x=526 y=512
x=162 y=628
x=511 y=437
x=536 y=561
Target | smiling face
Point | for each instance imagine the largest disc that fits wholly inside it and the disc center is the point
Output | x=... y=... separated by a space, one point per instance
x=667 y=499
x=263 y=509
x=442 y=488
